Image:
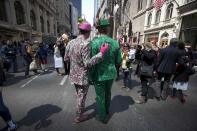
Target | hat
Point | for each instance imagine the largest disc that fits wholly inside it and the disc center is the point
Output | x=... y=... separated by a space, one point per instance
x=103 y=23
x=85 y=26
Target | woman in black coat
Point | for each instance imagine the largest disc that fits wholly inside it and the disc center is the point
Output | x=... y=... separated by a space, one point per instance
x=183 y=71
x=148 y=59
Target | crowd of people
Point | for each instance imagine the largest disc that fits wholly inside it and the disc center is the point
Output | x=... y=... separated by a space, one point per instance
x=97 y=62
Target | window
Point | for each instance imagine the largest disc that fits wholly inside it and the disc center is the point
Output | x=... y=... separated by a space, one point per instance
x=149 y=19
x=140 y=5
x=42 y=24
x=158 y=15
x=33 y=20
x=3 y=15
x=169 y=11
x=54 y=29
x=48 y=26
x=20 y=14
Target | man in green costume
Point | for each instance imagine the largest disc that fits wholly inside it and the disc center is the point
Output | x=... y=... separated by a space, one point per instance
x=103 y=74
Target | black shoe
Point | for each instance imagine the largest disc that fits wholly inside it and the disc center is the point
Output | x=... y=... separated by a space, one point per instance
x=104 y=121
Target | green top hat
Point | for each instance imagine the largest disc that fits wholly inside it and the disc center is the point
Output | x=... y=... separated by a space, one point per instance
x=103 y=23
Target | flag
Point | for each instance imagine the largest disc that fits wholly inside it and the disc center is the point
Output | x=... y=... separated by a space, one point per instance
x=158 y=4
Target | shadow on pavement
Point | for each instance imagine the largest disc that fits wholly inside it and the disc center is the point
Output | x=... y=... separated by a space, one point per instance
x=39 y=116
x=4 y=129
x=11 y=79
x=119 y=104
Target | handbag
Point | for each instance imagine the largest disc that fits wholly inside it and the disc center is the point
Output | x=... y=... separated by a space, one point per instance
x=146 y=70
x=33 y=65
x=58 y=62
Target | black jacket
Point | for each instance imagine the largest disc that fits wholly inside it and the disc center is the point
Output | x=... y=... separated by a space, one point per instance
x=182 y=73
x=168 y=57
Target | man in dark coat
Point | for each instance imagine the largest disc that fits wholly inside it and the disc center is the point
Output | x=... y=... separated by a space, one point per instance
x=168 y=57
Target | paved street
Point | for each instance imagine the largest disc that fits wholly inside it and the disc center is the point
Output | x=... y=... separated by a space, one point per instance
x=46 y=102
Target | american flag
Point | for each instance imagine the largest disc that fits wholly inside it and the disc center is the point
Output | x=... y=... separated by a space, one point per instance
x=158 y=4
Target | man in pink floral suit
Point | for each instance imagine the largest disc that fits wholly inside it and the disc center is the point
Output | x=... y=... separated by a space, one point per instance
x=78 y=52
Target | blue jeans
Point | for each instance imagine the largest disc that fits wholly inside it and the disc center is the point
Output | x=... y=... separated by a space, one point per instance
x=4 y=111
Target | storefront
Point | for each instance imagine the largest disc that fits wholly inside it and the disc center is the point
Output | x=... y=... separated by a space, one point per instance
x=189 y=30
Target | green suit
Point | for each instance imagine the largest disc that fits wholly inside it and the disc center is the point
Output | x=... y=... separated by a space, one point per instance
x=103 y=73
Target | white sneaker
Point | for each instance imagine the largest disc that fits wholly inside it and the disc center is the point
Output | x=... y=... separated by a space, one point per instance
x=12 y=127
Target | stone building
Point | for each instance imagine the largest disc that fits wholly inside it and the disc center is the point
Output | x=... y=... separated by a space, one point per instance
x=133 y=18
x=33 y=19
x=163 y=24
x=188 y=14
x=63 y=16
x=78 y=5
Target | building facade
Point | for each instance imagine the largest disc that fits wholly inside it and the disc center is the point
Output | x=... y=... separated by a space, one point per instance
x=78 y=5
x=63 y=16
x=132 y=17
x=32 y=19
x=96 y=8
x=188 y=14
x=74 y=19
x=163 y=24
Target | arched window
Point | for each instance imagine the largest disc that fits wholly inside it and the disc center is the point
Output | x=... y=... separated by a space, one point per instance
x=169 y=11
x=149 y=19
x=33 y=20
x=158 y=15
x=20 y=14
x=42 y=24
x=3 y=15
x=48 y=26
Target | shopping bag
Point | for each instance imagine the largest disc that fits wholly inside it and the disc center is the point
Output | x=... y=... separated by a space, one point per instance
x=58 y=62
x=33 y=65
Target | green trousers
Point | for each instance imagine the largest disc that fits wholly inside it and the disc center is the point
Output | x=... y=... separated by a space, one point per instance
x=103 y=97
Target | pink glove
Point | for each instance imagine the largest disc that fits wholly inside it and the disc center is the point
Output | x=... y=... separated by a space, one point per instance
x=104 y=48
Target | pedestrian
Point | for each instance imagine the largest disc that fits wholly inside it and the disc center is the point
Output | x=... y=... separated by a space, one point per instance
x=57 y=58
x=147 y=67
x=78 y=52
x=126 y=67
x=168 y=57
x=181 y=76
x=66 y=63
x=5 y=114
x=138 y=55
x=103 y=74
x=28 y=53
x=41 y=54
x=11 y=54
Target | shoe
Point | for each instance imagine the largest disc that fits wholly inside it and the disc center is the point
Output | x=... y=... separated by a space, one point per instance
x=104 y=121
x=142 y=100
x=157 y=98
x=13 y=127
x=81 y=118
x=128 y=89
x=182 y=100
